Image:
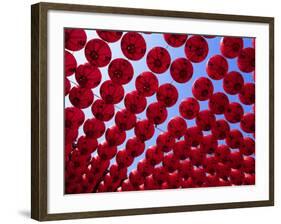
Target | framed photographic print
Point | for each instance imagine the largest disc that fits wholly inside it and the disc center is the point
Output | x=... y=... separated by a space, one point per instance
x=139 y=111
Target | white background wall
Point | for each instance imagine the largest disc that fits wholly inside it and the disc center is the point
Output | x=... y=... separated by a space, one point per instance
x=15 y=111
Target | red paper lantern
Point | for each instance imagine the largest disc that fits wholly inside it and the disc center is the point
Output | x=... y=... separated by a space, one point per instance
x=109 y=36
x=205 y=120
x=175 y=40
x=70 y=63
x=208 y=144
x=158 y=60
x=177 y=127
x=81 y=97
x=217 y=67
x=117 y=172
x=156 y=113
x=133 y=46
x=170 y=163
x=124 y=159
x=234 y=112
x=235 y=160
x=154 y=155
x=233 y=82
x=146 y=84
x=74 y=39
x=94 y=128
x=181 y=150
x=106 y=151
x=167 y=94
x=145 y=168
x=246 y=60
x=125 y=120
x=230 y=47
x=88 y=76
x=185 y=168
x=136 y=178
x=209 y=165
x=189 y=108
x=198 y=176
x=165 y=141
x=222 y=153
x=247 y=94
x=97 y=52
x=196 y=49
x=247 y=123
x=135 y=147
x=223 y=171
x=135 y=102
x=181 y=70
x=248 y=164
x=120 y=71
x=115 y=136
x=234 y=139
x=73 y=117
x=202 y=88
x=220 y=129
x=218 y=103
x=111 y=93
x=174 y=180
x=144 y=130
x=160 y=175
x=236 y=177
x=248 y=146
x=86 y=145
x=102 y=111
x=193 y=136
x=67 y=86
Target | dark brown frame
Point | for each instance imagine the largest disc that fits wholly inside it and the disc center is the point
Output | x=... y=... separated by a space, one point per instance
x=39 y=110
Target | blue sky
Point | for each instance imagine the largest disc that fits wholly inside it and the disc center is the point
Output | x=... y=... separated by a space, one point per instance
x=152 y=40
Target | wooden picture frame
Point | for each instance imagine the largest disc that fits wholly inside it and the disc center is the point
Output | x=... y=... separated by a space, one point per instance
x=39 y=109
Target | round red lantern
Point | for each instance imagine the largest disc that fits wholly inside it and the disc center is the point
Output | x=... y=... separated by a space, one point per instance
x=158 y=60
x=247 y=94
x=168 y=94
x=81 y=97
x=217 y=67
x=234 y=112
x=97 y=52
x=125 y=120
x=175 y=40
x=146 y=84
x=202 y=88
x=135 y=102
x=196 y=48
x=189 y=108
x=115 y=136
x=246 y=60
x=88 y=76
x=70 y=63
x=120 y=71
x=181 y=70
x=205 y=119
x=230 y=47
x=94 y=128
x=74 y=39
x=109 y=36
x=111 y=93
x=133 y=45
x=102 y=111
x=156 y=113
x=144 y=130
x=233 y=82
x=177 y=127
